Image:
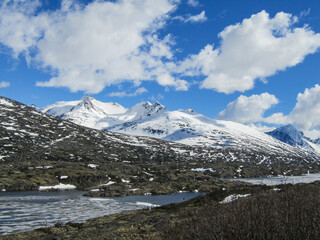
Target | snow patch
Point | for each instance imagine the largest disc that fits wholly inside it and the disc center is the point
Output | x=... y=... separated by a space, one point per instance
x=107 y=184
x=233 y=197
x=93 y=166
x=147 y=204
x=202 y=170
x=6 y=103
x=61 y=186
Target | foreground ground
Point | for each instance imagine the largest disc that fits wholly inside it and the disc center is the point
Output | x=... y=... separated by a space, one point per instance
x=282 y=212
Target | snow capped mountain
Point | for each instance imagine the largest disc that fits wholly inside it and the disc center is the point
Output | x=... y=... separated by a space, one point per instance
x=144 y=110
x=92 y=113
x=86 y=111
x=154 y=120
x=290 y=135
x=191 y=128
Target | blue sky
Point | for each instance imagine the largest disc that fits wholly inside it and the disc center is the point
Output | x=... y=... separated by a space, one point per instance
x=246 y=61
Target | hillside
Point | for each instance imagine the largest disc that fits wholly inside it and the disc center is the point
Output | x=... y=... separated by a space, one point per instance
x=40 y=150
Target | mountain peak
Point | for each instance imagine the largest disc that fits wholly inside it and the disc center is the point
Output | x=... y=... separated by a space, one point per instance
x=87 y=98
x=35 y=107
x=288 y=128
x=189 y=110
x=290 y=135
x=86 y=102
x=158 y=105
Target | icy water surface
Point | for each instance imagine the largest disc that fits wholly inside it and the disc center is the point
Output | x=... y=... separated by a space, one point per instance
x=23 y=211
x=306 y=178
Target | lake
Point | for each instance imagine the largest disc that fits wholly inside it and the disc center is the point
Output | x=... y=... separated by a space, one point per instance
x=24 y=211
x=270 y=181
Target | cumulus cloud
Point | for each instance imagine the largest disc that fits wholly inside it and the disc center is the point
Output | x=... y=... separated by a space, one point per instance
x=305 y=115
x=103 y=43
x=89 y=47
x=19 y=30
x=256 y=48
x=4 y=84
x=139 y=91
x=278 y=118
x=248 y=109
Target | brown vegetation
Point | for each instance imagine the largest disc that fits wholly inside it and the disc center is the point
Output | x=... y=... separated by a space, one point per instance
x=293 y=213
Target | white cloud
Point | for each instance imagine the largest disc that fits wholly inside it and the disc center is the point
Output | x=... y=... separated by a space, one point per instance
x=193 y=3
x=4 y=84
x=305 y=13
x=256 y=48
x=19 y=29
x=278 y=118
x=103 y=43
x=248 y=109
x=305 y=115
x=201 y=17
x=312 y=134
x=89 y=47
x=161 y=48
x=139 y=91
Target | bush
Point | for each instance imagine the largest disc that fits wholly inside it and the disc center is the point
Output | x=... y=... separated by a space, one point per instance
x=293 y=213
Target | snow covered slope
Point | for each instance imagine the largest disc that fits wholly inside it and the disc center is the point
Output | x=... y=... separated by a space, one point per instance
x=154 y=120
x=92 y=113
x=191 y=128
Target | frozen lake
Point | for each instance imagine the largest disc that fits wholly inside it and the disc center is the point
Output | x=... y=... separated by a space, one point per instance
x=270 y=181
x=24 y=211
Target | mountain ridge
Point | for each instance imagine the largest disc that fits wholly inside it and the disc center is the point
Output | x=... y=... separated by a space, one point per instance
x=37 y=149
x=182 y=126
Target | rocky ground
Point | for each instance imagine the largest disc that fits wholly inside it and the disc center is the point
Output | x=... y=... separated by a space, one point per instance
x=122 y=179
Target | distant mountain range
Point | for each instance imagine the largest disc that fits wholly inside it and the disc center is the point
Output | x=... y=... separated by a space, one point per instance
x=182 y=126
